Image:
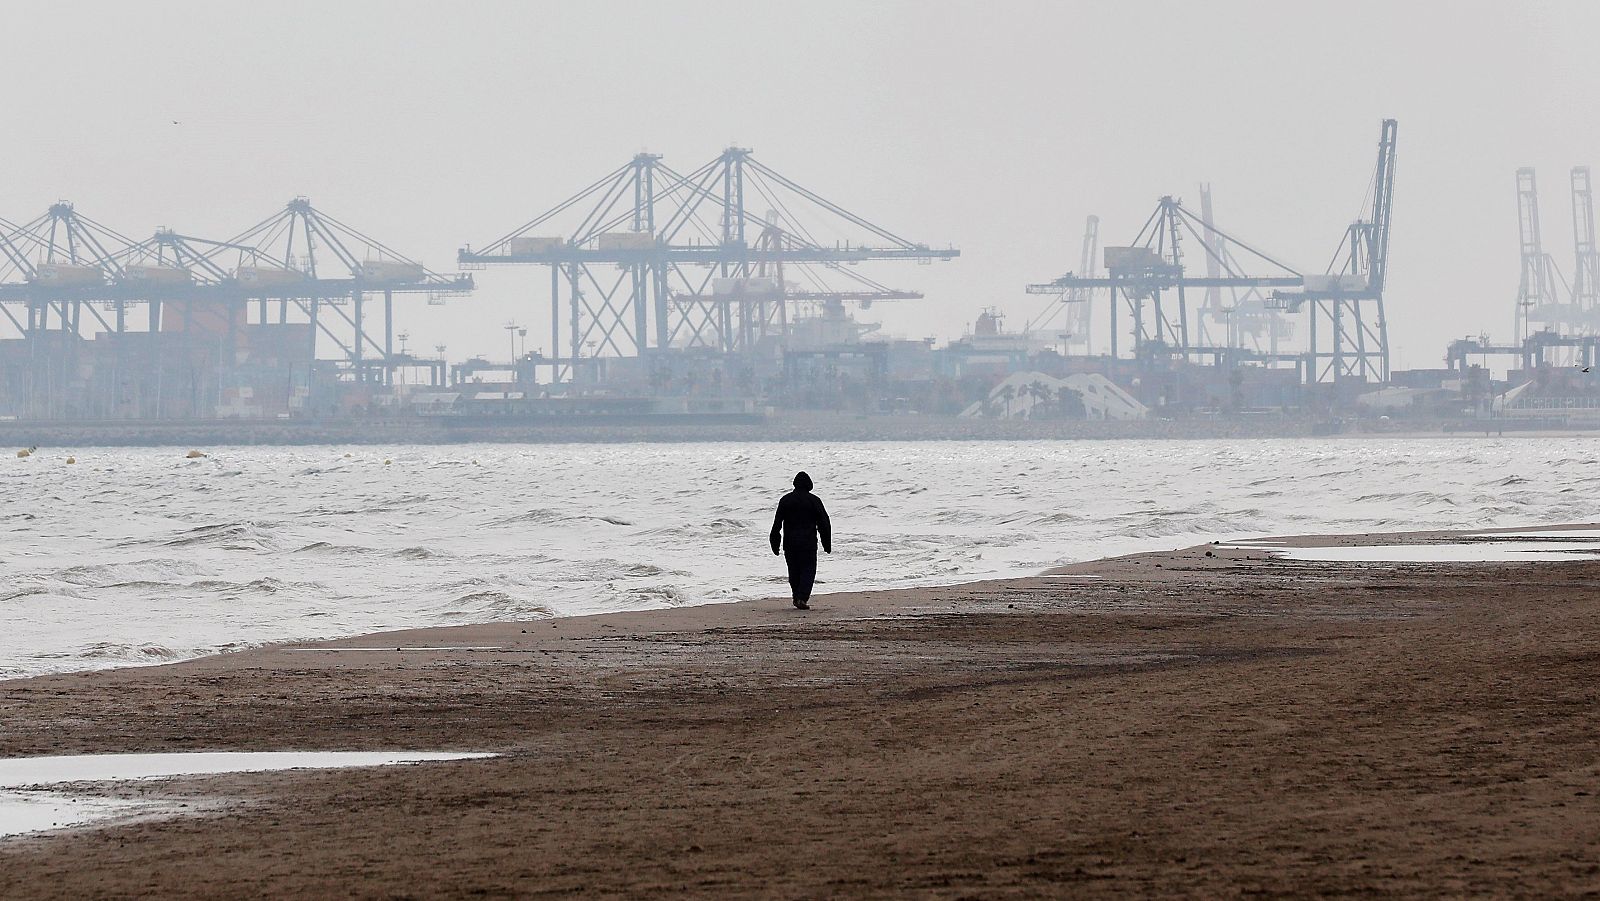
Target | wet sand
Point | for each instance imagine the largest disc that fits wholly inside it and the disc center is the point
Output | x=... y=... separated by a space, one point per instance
x=1208 y=721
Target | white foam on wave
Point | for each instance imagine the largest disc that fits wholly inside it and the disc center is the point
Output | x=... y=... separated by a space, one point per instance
x=134 y=549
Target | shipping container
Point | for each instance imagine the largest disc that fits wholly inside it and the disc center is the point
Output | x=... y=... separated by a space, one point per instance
x=68 y=275
x=525 y=244
x=157 y=275
x=762 y=287
x=627 y=241
x=1131 y=258
x=1340 y=282
x=267 y=276
x=392 y=272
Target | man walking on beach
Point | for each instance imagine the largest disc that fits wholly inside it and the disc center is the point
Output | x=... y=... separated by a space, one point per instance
x=801 y=519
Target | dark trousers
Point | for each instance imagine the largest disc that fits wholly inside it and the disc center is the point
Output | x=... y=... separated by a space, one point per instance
x=802 y=571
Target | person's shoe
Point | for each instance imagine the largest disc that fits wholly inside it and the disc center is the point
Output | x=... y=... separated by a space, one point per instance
x=801 y=605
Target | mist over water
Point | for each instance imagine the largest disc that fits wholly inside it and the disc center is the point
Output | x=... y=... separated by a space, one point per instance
x=141 y=556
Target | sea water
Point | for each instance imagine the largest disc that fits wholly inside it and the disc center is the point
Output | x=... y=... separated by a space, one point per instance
x=139 y=555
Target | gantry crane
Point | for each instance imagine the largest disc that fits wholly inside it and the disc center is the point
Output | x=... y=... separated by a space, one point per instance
x=1586 y=256
x=303 y=259
x=1540 y=291
x=55 y=267
x=1080 y=320
x=1148 y=278
x=1247 y=311
x=1349 y=334
x=56 y=263
x=650 y=259
x=1077 y=303
x=198 y=292
x=299 y=257
x=1138 y=277
x=762 y=305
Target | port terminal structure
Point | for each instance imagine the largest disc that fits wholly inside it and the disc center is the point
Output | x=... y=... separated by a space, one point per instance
x=183 y=323
x=1543 y=348
x=1546 y=300
x=1147 y=281
x=647 y=259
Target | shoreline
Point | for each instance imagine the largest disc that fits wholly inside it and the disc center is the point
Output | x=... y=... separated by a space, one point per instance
x=754 y=611
x=1197 y=721
x=629 y=617
x=781 y=428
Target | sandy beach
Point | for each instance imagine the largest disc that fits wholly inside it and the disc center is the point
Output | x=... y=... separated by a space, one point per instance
x=1202 y=722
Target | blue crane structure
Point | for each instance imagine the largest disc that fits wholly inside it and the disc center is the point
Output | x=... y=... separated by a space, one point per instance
x=1586 y=256
x=306 y=264
x=1546 y=301
x=1348 y=335
x=63 y=272
x=646 y=259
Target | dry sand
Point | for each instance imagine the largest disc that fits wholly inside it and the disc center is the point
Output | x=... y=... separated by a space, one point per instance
x=1161 y=724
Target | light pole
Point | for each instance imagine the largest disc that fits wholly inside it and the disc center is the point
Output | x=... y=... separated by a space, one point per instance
x=511 y=333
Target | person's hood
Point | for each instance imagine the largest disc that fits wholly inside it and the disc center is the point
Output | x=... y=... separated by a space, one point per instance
x=802 y=482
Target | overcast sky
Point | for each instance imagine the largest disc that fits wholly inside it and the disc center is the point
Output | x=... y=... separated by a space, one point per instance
x=995 y=126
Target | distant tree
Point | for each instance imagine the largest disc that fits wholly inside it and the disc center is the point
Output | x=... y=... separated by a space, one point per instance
x=1007 y=394
x=1070 y=403
x=1039 y=392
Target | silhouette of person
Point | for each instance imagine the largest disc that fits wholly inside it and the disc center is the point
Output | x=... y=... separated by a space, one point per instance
x=800 y=521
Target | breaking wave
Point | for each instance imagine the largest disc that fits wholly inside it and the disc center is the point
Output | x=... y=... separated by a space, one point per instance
x=156 y=559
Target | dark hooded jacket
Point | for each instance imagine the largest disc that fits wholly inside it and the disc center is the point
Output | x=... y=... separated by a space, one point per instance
x=801 y=520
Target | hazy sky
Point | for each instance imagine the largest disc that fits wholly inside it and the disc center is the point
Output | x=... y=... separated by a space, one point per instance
x=994 y=126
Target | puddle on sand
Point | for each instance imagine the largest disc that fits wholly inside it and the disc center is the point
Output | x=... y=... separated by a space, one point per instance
x=34 y=810
x=1480 y=551
x=22 y=813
